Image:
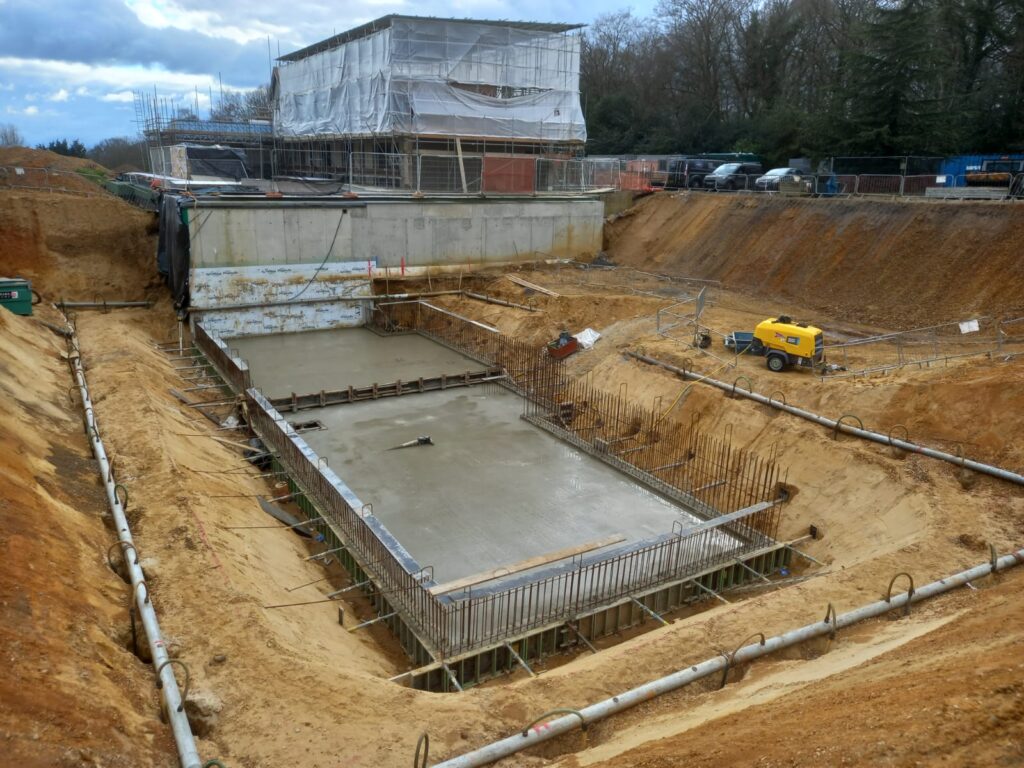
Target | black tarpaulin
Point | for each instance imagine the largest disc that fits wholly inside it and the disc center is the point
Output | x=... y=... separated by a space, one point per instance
x=172 y=256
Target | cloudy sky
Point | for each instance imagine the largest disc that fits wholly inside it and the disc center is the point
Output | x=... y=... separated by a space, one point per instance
x=68 y=68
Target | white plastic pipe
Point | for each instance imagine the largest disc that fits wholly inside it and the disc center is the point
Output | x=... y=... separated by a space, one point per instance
x=719 y=665
x=876 y=437
x=188 y=755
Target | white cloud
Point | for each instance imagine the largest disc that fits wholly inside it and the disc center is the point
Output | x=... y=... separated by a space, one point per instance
x=32 y=110
x=124 y=96
x=82 y=91
x=162 y=14
x=61 y=95
x=124 y=77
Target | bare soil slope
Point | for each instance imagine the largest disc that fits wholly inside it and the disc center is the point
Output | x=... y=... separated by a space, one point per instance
x=71 y=693
x=899 y=263
x=288 y=686
x=78 y=248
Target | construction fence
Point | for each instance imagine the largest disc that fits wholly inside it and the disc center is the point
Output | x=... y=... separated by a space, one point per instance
x=926 y=347
x=49 y=180
x=524 y=174
x=447 y=173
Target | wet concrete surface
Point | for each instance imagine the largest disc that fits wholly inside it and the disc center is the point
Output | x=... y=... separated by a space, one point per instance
x=491 y=491
x=336 y=359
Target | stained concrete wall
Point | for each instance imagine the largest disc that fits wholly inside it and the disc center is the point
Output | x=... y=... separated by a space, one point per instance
x=384 y=232
x=261 y=266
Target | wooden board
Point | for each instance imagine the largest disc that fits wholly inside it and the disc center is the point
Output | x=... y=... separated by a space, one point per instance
x=532 y=286
x=523 y=565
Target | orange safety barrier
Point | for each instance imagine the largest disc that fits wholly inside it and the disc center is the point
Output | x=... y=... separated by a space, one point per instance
x=508 y=174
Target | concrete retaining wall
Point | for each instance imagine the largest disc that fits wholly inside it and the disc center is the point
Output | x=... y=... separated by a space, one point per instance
x=250 y=258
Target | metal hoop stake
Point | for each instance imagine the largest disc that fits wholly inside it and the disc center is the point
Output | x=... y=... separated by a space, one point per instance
x=839 y=421
x=750 y=384
x=830 y=617
x=730 y=658
x=188 y=680
x=424 y=743
x=906 y=433
x=557 y=711
x=910 y=592
x=125 y=546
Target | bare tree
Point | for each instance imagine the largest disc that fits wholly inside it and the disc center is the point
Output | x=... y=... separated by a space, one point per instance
x=10 y=136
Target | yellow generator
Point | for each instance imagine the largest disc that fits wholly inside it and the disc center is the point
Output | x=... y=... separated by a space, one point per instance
x=783 y=343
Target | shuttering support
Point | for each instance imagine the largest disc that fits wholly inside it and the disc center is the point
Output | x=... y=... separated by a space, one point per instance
x=407 y=639
x=477 y=667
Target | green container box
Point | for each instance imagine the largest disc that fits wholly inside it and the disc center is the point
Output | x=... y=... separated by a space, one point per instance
x=16 y=295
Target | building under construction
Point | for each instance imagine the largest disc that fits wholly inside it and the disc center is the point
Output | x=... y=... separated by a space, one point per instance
x=172 y=134
x=431 y=104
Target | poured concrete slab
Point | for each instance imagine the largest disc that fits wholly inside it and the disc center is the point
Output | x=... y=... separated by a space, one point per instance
x=492 y=490
x=330 y=360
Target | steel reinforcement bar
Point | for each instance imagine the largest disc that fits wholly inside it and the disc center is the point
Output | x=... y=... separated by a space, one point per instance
x=324 y=398
x=328 y=493
x=452 y=625
x=481 y=620
x=544 y=728
x=232 y=369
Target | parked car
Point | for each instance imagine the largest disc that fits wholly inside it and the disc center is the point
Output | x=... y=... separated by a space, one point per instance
x=732 y=176
x=689 y=173
x=770 y=181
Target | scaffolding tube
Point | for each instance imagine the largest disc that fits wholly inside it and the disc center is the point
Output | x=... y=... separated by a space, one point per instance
x=722 y=663
x=876 y=437
x=174 y=703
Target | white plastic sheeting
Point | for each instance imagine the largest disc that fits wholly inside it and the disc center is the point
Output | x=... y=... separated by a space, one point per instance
x=437 y=77
x=587 y=337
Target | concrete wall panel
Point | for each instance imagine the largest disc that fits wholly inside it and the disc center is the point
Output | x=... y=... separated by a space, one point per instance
x=248 y=253
x=284 y=319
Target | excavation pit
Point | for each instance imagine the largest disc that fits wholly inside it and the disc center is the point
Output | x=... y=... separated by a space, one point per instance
x=544 y=513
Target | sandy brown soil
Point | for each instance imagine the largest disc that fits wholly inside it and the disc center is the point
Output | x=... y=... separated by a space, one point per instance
x=79 y=249
x=71 y=693
x=42 y=168
x=898 y=263
x=296 y=689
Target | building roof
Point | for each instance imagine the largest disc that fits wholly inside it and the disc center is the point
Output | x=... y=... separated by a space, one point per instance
x=385 y=21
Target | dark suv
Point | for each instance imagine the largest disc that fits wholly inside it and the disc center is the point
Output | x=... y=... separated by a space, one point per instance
x=689 y=172
x=733 y=176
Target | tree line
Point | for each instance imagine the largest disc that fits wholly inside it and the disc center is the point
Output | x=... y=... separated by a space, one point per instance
x=791 y=78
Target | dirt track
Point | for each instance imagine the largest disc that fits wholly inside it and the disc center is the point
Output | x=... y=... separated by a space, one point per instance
x=297 y=690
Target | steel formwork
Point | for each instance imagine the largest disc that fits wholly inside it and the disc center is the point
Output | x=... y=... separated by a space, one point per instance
x=737 y=494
